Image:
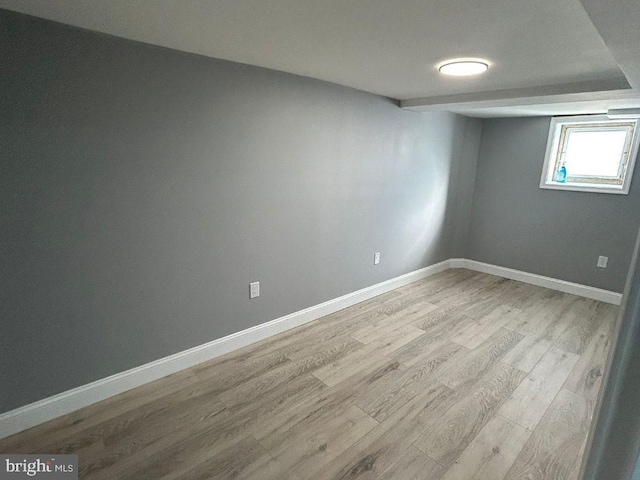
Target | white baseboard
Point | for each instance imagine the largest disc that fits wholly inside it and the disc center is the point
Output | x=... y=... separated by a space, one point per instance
x=540 y=280
x=44 y=410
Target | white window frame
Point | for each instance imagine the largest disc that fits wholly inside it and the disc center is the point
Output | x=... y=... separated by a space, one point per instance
x=556 y=135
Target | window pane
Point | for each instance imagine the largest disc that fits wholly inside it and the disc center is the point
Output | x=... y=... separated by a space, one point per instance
x=594 y=153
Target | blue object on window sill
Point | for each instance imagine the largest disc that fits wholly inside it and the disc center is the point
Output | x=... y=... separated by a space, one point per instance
x=561 y=175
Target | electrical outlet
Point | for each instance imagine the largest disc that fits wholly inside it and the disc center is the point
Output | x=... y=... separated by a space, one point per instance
x=254 y=290
x=376 y=258
x=602 y=261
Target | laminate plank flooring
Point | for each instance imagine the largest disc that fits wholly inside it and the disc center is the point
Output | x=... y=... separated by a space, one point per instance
x=586 y=377
x=461 y=375
x=532 y=398
x=491 y=453
x=450 y=434
x=554 y=446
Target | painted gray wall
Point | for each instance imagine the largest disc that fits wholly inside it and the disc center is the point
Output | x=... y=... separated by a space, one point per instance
x=616 y=438
x=461 y=187
x=559 y=234
x=142 y=189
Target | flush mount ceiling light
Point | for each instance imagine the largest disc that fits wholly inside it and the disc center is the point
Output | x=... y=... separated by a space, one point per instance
x=463 y=67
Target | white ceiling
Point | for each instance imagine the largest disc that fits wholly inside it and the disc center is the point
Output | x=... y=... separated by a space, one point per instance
x=542 y=52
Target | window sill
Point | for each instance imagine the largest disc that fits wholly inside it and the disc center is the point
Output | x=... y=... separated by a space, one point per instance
x=577 y=187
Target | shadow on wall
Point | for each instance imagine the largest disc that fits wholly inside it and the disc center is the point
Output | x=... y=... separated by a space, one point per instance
x=446 y=213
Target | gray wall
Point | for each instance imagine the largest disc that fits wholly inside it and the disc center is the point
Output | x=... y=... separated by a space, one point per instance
x=559 y=234
x=142 y=189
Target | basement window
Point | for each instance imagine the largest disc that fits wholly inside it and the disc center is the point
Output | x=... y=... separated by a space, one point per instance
x=590 y=153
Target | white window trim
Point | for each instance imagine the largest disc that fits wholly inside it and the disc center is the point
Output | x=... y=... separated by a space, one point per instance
x=546 y=180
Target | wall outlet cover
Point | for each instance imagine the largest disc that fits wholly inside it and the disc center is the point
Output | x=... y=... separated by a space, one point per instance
x=376 y=258
x=602 y=261
x=254 y=290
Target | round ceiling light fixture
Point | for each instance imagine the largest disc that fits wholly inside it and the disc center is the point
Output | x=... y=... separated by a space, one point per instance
x=464 y=67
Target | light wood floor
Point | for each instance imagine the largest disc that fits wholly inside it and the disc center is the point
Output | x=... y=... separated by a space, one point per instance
x=459 y=376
